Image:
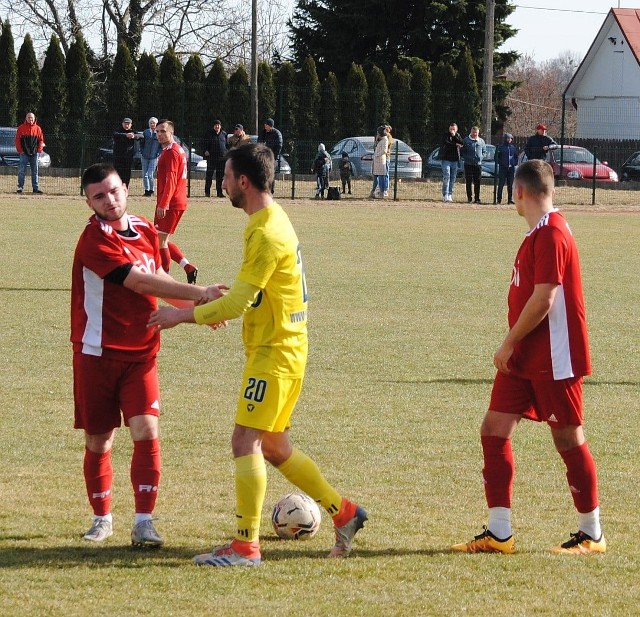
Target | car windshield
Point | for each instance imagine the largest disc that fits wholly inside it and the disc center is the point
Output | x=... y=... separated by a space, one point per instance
x=368 y=143
x=490 y=153
x=577 y=155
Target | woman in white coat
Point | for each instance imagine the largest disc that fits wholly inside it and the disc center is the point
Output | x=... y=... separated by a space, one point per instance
x=380 y=164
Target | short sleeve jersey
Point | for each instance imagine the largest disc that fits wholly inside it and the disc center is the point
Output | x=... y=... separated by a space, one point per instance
x=107 y=319
x=558 y=348
x=172 y=178
x=275 y=326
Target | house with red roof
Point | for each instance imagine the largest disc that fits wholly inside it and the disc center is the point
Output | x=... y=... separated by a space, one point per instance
x=605 y=89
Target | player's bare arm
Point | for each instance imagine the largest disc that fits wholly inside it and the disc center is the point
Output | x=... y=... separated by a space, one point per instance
x=534 y=311
x=162 y=285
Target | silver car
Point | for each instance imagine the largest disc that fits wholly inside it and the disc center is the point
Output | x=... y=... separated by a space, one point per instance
x=360 y=152
x=8 y=153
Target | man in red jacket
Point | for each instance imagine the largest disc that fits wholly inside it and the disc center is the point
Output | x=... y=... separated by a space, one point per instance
x=29 y=144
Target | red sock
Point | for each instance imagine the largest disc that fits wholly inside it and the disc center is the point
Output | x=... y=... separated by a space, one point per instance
x=346 y=513
x=582 y=477
x=98 y=477
x=145 y=474
x=165 y=258
x=176 y=254
x=498 y=471
x=250 y=550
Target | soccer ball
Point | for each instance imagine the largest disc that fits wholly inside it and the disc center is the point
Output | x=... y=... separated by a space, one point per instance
x=296 y=517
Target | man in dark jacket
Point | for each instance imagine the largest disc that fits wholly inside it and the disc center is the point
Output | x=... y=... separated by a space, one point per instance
x=507 y=157
x=450 y=160
x=272 y=138
x=538 y=145
x=123 y=148
x=215 y=147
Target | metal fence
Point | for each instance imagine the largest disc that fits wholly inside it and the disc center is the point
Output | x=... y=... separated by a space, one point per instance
x=296 y=180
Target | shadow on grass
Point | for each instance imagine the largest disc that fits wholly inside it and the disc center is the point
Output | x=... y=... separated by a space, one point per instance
x=121 y=556
x=472 y=382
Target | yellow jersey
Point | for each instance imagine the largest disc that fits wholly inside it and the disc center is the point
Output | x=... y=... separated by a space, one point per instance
x=274 y=328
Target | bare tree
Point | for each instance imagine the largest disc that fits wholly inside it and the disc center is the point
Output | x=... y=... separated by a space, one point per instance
x=538 y=98
x=211 y=28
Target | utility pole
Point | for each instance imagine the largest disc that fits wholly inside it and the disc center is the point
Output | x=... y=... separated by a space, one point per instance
x=487 y=73
x=254 y=67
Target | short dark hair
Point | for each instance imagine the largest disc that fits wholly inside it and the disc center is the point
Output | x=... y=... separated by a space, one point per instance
x=536 y=176
x=97 y=173
x=256 y=162
x=169 y=122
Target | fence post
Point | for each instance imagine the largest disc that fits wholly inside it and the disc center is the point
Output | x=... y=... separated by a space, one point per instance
x=593 y=181
x=395 y=174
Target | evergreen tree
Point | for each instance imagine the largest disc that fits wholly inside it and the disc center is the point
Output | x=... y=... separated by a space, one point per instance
x=442 y=112
x=379 y=101
x=240 y=94
x=121 y=91
x=308 y=101
x=266 y=93
x=195 y=112
x=53 y=110
x=148 y=90
x=287 y=101
x=29 y=83
x=420 y=105
x=172 y=89
x=8 y=77
x=79 y=92
x=354 y=97
x=466 y=103
x=330 y=120
x=400 y=89
x=217 y=96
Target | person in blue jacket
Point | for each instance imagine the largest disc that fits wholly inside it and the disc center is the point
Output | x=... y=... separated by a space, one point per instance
x=507 y=158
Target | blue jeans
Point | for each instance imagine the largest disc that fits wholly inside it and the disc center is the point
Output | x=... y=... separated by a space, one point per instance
x=505 y=176
x=148 y=169
x=449 y=173
x=32 y=161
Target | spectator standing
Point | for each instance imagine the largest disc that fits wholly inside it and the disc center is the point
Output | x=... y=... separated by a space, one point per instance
x=150 y=152
x=389 y=151
x=321 y=168
x=450 y=160
x=123 y=149
x=379 y=169
x=538 y=145
x=172 y=198
x=540 y=366
x=270 y=293
x=507 y=157
x=272 y=138
x=346 y=171
x=238 y=137
x=215 y=147
x=115 y=278
x=473 y=151
x=29 y=144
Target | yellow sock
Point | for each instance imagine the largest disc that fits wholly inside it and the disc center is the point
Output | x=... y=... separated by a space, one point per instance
x=251 y=485
x=300 y=470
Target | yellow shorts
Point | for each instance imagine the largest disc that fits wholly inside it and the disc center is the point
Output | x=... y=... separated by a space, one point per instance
x=266 y=402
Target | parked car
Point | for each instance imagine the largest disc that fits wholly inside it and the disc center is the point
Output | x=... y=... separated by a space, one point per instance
x=360 y=151
x=8 y=153
x=284 y=168
x=433 y=167
x=577 y=164
x=631 y=168
x=197 y=162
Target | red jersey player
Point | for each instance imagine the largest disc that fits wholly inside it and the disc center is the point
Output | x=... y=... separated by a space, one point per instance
x=171 y=198
x=541 y=364
x=116 y=276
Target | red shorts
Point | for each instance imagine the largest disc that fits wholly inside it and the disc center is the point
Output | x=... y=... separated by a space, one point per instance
x=102 y=388
x=558 y=403
x=169 y=223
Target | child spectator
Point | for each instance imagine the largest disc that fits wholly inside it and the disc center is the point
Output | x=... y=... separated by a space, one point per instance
x=346 y=171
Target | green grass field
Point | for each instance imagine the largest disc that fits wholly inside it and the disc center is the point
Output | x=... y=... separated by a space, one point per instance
x=407 y=305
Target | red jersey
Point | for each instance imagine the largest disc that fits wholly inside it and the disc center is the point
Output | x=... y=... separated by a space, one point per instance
x=172 y=178
x=558 y=348
x=107 y=319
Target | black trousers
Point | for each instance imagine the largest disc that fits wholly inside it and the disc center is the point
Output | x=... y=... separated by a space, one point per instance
x=216 y=167
x=472 y=177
